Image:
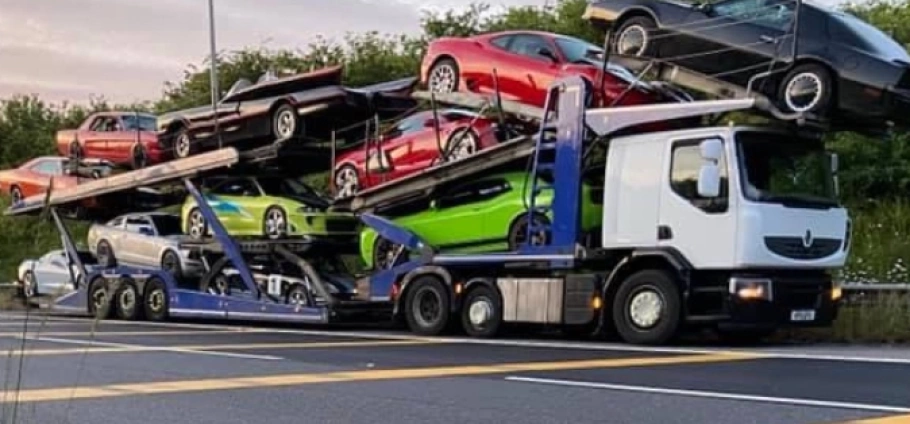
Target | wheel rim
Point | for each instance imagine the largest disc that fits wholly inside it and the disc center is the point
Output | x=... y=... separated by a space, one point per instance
x=182 y=145
x=646 y=308
x=275 y=223
x=28 y=286
x=127 y=299
x=98 y=299
x=538 y=238
x=169 y=263
x=16 y=195
x=156 y=300
x=465 y=146
x=480 y=313
x=426 y=308
x=219 y=285
x=285 y=124
x=346 y=182
x=297 y=297
x=804 y=92
x=632 y=41
x=442 y=79
x=197 y=224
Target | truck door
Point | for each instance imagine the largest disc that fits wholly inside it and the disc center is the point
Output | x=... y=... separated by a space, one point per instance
x=702 y=229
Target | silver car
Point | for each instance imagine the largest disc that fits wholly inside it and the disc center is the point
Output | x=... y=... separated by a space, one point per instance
x=48 y=275
x=148 y=239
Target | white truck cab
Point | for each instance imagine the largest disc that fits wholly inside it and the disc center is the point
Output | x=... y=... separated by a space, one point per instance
x=749 y=216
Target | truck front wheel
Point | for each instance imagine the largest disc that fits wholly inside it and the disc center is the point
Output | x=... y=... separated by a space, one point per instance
x=427 y=306
x=647 y=308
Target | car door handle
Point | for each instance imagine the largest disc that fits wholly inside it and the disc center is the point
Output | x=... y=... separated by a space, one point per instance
x=768 y=39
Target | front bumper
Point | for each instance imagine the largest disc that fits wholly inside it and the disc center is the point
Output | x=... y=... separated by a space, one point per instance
x=787 y=302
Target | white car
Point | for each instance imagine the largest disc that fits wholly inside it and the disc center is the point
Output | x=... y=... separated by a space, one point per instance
x=48 y=275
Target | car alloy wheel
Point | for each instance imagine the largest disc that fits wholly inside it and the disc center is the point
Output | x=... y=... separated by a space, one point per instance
x=285 y=123
x=15 y=195
x=442 y=78
x=804 y=92
x=461 y=145
x=182 y=145
x=633 y=40
x=197 y=224
x=276 y=223
x=347 y=183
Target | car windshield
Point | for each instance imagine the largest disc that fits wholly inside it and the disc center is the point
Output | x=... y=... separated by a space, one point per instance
x=139 y=122
x=290 y=187
x=785 y=170
x=874 y=39
x=576 y=50
x=167 y=225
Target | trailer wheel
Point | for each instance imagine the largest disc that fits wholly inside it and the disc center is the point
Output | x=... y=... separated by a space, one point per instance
x=128 y=301
x=647 y=308
x=427 y=306
x=155 y=301
x=481 y=314
x=99 y=303
x=105 y=254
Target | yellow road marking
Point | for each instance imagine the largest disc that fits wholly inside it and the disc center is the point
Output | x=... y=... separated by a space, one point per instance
x=146 y=388
x=892 y=419
x=211 y=347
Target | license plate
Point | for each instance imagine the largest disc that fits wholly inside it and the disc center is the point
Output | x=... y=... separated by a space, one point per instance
x=802 y=315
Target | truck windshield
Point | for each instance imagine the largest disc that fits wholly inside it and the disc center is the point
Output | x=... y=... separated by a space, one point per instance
x=786 y=170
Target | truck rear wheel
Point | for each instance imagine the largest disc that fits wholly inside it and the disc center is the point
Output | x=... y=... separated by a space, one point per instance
x=647 y=308
x=427 y=306
x=481 y=314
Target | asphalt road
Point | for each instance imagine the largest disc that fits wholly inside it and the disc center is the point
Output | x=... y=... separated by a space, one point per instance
x=69 y=370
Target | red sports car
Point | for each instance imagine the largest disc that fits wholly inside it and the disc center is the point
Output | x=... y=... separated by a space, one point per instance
x=123 y=138
x=34 y=177
x=526 y=63
x=412 y=146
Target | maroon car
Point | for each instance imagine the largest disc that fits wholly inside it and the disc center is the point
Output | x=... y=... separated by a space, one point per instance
x=122 y=138
x=411 y=146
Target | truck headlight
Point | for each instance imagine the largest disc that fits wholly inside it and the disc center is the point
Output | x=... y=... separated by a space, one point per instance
x=751 y=288
x=837 y=291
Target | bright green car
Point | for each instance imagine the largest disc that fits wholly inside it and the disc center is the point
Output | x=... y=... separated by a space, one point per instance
x=273 y=207
x=486 y=215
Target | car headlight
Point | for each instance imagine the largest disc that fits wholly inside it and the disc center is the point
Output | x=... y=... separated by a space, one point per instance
x=837 y=291
x=747 y=288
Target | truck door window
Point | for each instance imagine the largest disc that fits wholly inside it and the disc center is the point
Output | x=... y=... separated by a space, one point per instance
x=684 y=167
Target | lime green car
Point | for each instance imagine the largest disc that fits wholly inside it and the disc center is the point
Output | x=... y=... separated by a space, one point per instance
x=486 y=215
x=267 y=206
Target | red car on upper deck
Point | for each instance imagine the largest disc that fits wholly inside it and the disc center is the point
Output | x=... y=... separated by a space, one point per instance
x=123 y=138
x=526 y=63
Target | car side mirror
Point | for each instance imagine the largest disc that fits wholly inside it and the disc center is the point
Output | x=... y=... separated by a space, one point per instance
x=547 y=53
x=832 y=157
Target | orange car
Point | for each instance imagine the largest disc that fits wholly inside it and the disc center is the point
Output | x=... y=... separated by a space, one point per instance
x=34 y=177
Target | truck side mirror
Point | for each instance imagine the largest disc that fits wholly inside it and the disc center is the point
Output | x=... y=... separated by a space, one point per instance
x=834 y=162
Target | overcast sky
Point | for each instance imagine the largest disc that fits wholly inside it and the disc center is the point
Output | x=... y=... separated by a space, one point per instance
x=126 y=49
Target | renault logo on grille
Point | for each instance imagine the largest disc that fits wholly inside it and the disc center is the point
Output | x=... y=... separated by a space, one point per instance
x=807 y=240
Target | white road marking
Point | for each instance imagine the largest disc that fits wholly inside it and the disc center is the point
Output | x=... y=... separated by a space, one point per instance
x=713 y=395
x=143 y=348
x=766 y=353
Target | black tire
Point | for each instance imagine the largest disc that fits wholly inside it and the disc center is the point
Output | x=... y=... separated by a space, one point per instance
x=15 y=194
x=199 y=232
x=462 y=138
x=218 y=284
x=127 y=301
x=183 y=145
x=298 y=295
x=344 y=185
x=170 y=263
x=447 y=71
x=75 y=151
x=280 y=231
x=105 y=255
x=486 y=302
x=807 y=76
x=138 y=156
x=657 y=285
x=518 y=231
x=427 y=306
x=98 y=301
x=155 y=300
x=636 y=26
x=382 y=256
x=285 y=123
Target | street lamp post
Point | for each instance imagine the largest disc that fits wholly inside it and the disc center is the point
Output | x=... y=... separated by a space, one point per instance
x=213 y=76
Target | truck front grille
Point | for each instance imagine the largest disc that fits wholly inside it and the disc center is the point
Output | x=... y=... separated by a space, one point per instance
x=795 y=248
